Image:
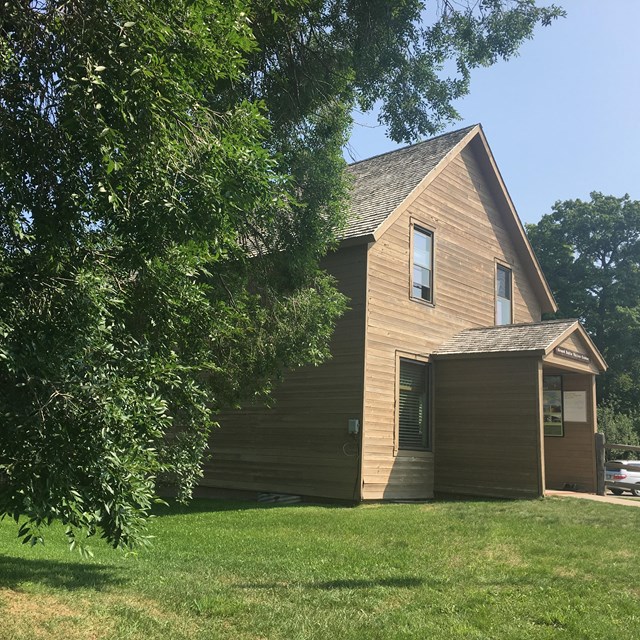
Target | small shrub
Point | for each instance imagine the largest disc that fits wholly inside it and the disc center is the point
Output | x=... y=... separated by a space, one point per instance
x=619 y=428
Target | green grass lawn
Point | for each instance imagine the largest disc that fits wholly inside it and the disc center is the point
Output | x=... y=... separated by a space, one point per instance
x=554 y=568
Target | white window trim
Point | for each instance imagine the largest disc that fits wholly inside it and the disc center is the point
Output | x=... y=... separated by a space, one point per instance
x=427 y=229
x=504 y=265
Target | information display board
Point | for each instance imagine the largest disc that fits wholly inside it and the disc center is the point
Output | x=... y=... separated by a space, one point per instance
x=575 y=406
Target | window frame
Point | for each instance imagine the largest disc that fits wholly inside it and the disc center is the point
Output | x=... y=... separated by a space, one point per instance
x=544 y=426
x=425 y=230
x=428 y=449
x=500 y=265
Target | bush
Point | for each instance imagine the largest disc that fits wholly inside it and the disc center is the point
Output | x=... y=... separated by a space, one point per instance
x=619 y=428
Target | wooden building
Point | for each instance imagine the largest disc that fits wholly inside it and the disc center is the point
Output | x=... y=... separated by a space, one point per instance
x=443 y=377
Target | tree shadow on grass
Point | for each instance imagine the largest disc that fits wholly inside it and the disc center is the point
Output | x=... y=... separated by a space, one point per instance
x=212 y=505
x=405 y=583
x=52 y=573
x=350 y=583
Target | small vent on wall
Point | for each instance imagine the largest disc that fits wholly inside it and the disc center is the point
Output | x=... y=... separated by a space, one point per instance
x=278 y=498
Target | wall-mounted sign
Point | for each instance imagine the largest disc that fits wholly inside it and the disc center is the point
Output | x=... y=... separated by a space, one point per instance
x=575 y=406
x=572 y=355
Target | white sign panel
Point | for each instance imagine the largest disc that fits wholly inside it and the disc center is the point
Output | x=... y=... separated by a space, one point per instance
x=575 y=406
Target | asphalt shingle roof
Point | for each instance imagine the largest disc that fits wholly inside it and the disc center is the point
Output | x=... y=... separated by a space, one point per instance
x=381 y=183
x=537 y=336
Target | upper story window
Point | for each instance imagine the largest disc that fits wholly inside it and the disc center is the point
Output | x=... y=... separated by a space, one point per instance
x=422 y=274
x=504 y=295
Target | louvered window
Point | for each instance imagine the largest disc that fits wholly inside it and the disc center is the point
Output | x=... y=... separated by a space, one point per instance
x=413 y=406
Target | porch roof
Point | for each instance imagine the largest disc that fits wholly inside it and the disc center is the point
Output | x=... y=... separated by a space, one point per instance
x=536 y=336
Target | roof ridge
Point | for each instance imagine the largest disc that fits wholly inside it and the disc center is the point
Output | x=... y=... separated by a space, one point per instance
x=413 y=146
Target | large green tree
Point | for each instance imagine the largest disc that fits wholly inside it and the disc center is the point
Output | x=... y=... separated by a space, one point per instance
x=170 y=176
x=590 y=251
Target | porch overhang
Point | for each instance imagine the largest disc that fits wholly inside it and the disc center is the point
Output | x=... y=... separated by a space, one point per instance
x=561 y=343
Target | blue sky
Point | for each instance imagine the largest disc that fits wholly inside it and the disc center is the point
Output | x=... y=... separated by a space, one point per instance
x=563 y=118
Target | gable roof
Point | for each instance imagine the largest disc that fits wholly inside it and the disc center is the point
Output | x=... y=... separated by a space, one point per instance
x=538 y=337
x=382 y=182
x=385 y=185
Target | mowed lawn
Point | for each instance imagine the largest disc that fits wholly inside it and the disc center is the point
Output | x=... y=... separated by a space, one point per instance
x=553 y=568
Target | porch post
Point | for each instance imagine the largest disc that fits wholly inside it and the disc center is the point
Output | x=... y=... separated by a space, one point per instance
x=540 y=415
x=600 y=463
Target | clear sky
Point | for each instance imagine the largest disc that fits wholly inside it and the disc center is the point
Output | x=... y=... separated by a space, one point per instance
x=563 y=118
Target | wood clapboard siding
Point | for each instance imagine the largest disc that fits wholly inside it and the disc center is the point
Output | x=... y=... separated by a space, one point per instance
x=576 y=343
x=301 y=445
x=488 y=427
x=571 y=460
x=469 y=236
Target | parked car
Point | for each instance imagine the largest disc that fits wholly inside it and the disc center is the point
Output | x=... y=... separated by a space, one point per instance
x=614 y=474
